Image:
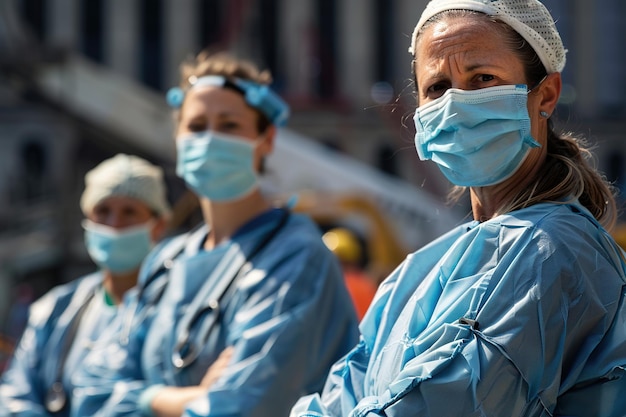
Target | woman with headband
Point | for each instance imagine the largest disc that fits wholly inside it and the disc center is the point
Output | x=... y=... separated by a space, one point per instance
x=249 y=311
x=519 y=312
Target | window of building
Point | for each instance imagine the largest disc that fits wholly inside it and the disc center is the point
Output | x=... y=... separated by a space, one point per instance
x=32 y=171
x=209 y=24
x=91 y=29
x=33 y=13
x=151 y=43
x=325 y=85
x=384 y=32
x=268 y=30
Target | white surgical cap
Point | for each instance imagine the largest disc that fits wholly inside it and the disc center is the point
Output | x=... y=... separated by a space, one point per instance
x=125 y=176
x=529 y=18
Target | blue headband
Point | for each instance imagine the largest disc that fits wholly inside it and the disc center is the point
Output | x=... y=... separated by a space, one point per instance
x=259 y=96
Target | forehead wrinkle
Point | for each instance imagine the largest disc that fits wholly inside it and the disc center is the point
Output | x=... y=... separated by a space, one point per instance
x=446 y=45
x=442 y=66
x=439 y=52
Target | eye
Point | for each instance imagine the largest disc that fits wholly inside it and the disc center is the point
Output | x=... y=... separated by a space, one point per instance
x=228 y=126
x=196 y=126
x=436 y=90
x=484 y=80
x=129 y=211
x=101 y=211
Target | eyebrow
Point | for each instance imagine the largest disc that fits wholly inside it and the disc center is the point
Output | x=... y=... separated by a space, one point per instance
x=222 y=115
x=469 y=68
x=474 y=67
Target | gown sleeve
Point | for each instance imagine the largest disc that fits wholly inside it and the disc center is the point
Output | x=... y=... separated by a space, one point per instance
x=21 y=390
x=514 y=320
x=289 y=320
x=33 y=367
x=287 y=332
x=110 y=381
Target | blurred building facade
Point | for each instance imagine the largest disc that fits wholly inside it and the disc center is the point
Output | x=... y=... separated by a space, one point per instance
x=342 y=65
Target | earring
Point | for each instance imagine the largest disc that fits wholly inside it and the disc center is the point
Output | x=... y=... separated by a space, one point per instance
x=544 y=114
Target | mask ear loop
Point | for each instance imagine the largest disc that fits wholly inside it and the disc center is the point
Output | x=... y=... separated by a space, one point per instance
x=538 y=84
x=542 y=113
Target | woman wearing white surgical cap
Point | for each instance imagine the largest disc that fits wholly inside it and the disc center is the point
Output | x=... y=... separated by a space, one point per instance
x=125 y=208
x=243 y=315
x=519 y=312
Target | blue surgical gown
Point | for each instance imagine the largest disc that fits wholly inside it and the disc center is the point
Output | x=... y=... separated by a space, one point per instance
x=521 y=315
x=34 y=366
x=289 y=319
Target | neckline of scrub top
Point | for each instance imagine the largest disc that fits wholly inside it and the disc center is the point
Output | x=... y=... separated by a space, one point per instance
x=266 y=217
x=107 y=298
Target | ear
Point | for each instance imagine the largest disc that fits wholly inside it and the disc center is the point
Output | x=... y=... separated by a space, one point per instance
x=158 y=230
x=550 y=91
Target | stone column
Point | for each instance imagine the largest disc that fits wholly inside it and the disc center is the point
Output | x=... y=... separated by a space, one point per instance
x=356 y=49
x=297 y=40
x=180 y=36
x=121 y=36
x=63 y=24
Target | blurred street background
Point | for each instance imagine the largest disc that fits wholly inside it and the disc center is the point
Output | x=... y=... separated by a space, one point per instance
x=82 y=80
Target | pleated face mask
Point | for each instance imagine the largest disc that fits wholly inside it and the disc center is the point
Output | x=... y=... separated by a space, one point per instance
x=118 y=250
x=216 y=165
x=477 y=138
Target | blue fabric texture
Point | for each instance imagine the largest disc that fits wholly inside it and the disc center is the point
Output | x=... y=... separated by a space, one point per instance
x=521 y=315
x=33 y=368
x=289 y=320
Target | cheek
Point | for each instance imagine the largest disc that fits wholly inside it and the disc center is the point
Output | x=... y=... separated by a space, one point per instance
x=97 y=218
x=134 y=218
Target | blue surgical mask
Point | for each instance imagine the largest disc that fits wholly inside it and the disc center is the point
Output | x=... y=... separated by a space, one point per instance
x=477 y=138
x=216 y=165
x=117 y=250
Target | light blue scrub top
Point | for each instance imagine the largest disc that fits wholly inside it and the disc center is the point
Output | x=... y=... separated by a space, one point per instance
x=34 y=366
x=521 y=315
x=289 y=320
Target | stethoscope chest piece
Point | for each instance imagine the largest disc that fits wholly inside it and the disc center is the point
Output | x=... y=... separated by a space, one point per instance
x=186 y=351
x=179 y=361
x=56 y=398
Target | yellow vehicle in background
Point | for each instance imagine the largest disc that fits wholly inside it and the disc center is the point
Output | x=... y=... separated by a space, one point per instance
x=619 y=234
x=384 y=249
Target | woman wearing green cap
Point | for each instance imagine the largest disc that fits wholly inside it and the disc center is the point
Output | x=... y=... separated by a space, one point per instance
x=519 y=312
x=125 y=208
